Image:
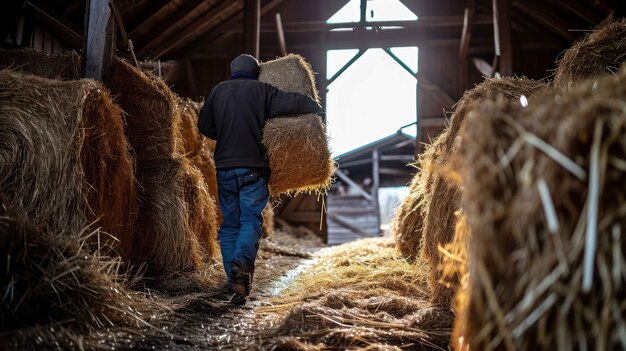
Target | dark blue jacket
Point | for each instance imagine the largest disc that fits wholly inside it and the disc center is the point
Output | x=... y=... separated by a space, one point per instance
x=235 y=114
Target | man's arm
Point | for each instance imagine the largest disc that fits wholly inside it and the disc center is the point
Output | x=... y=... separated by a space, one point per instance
x=206 y=121
x=282 y=103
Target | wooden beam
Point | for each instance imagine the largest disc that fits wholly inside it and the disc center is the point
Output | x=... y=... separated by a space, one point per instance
x=376 y=182
x=581 y=10
x=352 y=183
x=400 y=62
x=316 y=26
x=170 y=27
x=305 y=216
x=281 y=35
x=66 y=30
x=532 y=9
x=148 y=25
x=251 y=27
x=466 y=35
x=356 y=230
x=402 y=158
x=291 y=206
x=220 y=32
x=200 y=26
x=99 y=39
x=435 y=91
x=502 y=35
x=119 y=22
x=345 y=67
x=393 y=171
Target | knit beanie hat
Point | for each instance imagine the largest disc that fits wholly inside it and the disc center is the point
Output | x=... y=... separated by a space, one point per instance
x=244 y=64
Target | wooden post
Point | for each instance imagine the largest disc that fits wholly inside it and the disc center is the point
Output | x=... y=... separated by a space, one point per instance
x=376 y=182
x=252 y=27
x=99 y=39
x=281 y=35
x=502 y=36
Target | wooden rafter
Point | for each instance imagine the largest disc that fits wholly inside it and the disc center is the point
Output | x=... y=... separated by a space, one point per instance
x=178 y=22
x=219 y=32
x=435 y=91
x=532 y=9
x=502 y=36
x=147 y=26
x=199 y=27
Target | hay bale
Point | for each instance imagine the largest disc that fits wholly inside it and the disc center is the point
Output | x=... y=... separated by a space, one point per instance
x=165 y=242
x=202 y=209
x=408 y=219
x=53 y=278
x=601 y=52
x=439 y=216
x=190 y=138
x=546 y=267
x=64 y=159
x=152 y=120
x=297 y=147
x=166 y=238
x=108 y=169
x=64 y=67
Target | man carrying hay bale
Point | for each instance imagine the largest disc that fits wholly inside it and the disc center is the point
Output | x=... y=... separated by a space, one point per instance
x=234 y=115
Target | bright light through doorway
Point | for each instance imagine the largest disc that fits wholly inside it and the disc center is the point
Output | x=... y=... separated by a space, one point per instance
x=370 y=100
x=375 y=96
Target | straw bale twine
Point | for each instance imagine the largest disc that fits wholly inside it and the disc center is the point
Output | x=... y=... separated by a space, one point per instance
x=54 y=278
x=546 y=210
x=64 y=67
x=297 y=147
x=64 y=161
x=601 y=52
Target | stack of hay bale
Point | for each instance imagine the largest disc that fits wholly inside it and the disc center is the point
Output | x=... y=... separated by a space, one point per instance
x=297 y=146
x=64 y=164
x=544 y=200
x=427 y=218
x=176 y=223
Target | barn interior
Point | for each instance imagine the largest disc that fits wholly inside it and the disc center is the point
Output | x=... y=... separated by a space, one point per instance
x=463 y=188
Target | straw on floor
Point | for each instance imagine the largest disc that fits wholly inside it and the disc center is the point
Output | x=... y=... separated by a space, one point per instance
x=358 y=295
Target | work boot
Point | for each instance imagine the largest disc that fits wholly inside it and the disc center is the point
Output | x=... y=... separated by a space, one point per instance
x=240 y=280
x=238 y=300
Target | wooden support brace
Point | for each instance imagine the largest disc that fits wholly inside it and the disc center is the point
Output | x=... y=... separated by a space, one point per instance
x=99 y=39
x=352 y=183
x=356 y=230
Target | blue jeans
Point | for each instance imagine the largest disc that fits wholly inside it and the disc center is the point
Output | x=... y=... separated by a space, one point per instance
x=242 y=194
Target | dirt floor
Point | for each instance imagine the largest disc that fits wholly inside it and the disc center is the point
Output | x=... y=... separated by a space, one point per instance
x=204 y=319
x=340 y=310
